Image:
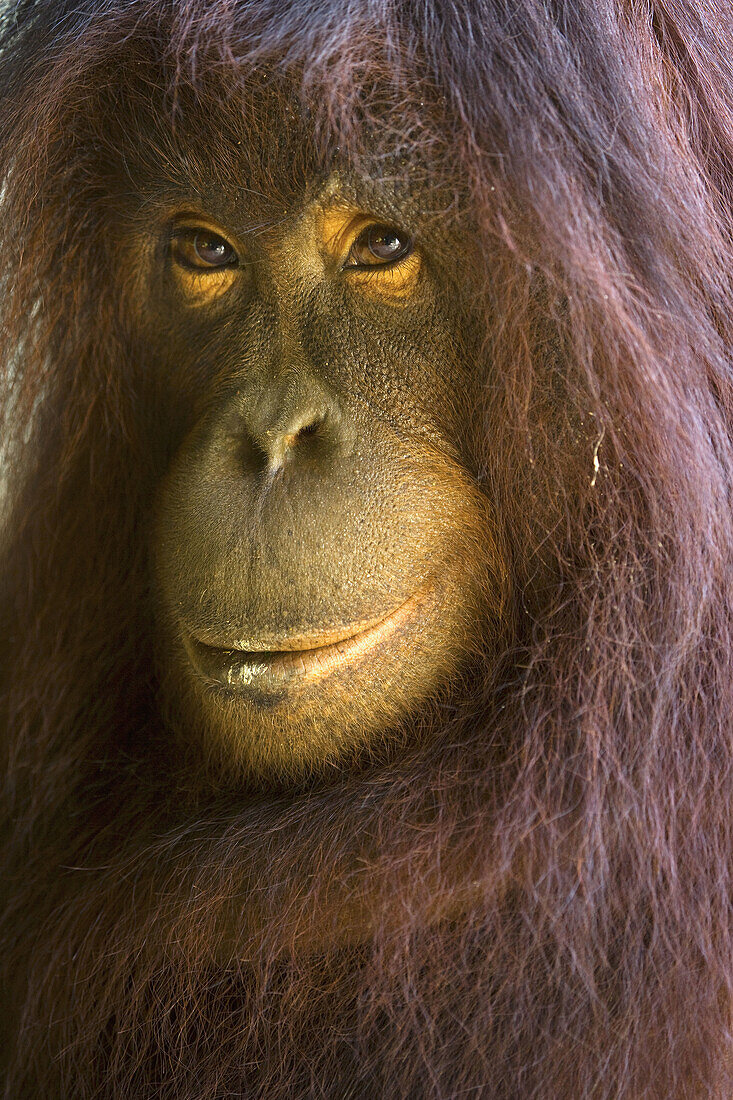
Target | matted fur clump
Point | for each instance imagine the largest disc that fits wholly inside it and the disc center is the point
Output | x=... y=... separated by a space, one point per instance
x=537 y=903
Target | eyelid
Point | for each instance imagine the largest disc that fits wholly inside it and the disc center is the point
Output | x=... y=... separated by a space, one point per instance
x=341 y=240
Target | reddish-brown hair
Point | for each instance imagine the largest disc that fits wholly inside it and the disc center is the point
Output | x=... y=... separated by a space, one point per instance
x=536 y=903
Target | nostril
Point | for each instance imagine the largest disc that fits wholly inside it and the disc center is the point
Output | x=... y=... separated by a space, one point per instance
x=308 y=429
x=279 y=446
x=273 y=448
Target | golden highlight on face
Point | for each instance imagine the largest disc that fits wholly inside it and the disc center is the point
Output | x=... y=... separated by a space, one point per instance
x=378 y=258
x=204 y=261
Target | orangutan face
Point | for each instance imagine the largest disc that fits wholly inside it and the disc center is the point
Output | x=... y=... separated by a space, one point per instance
x=322 y=551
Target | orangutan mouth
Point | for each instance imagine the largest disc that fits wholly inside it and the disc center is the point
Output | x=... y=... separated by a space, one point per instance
x=297 y=658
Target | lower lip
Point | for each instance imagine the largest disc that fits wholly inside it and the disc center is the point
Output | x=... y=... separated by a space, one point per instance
x=239 y=669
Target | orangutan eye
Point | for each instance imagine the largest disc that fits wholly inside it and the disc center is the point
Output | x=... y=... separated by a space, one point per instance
x=202 y=249
x=378 y=245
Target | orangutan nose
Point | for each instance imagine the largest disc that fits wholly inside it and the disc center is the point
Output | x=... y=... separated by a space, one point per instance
x=287 y=422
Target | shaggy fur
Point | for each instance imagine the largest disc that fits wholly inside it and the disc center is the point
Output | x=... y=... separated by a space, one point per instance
x=537 y=903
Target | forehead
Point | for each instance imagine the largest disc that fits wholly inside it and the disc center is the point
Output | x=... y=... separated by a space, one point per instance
x=256 y=155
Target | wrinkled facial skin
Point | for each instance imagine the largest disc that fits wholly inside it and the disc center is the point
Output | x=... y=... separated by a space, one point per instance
x=323 y=556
